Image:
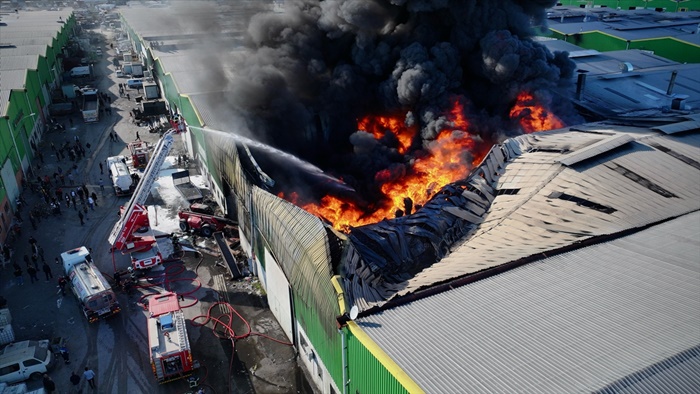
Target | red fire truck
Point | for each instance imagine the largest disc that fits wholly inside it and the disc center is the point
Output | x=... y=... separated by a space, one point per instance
x=134 y=215
x=140 y=153
x=171 y=356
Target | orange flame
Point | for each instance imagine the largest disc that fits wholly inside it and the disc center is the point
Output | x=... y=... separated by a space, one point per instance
x=533 y=116
x=446 y=159
x=378 y=126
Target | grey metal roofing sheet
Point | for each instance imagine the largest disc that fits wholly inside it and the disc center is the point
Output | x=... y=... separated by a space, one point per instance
x=577 y=322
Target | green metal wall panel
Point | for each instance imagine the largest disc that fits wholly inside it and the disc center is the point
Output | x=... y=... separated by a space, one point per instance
x=668 y=5
x=328 y=347
x=669 y=48
x=367 y=374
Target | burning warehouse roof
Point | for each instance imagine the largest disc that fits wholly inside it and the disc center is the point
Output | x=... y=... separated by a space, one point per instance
x=534 y=195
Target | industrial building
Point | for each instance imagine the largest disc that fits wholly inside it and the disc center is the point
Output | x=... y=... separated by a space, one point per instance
x=672 y=35
x=571 y=273
x=31 y=46
x=566 y=262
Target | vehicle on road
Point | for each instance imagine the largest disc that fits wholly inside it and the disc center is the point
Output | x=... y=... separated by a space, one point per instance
x=89 y=285
x=143 y=248
x=24 y=360
x=123 y=180
x=170 y=352
x=91 y=105
x=134 y=83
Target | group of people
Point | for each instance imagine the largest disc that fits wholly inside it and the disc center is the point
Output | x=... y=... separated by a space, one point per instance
x=75 y=379
x=75 y=151
x=32 y=264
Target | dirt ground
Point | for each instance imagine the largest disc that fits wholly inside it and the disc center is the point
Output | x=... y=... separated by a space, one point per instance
x=116 y=348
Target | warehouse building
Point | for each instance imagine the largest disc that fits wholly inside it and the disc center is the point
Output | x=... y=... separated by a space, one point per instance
x=31 y=47
x=569 y=265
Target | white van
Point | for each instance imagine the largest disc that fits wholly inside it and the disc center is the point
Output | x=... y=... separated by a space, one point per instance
x=134 y=83
x=24 y=360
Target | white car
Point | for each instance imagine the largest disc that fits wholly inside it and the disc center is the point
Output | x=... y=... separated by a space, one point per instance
x=120 y=73
x=24 y=360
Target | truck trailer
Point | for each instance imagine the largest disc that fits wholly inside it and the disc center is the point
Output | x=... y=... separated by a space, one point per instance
x=89 y=285
x=91 y=105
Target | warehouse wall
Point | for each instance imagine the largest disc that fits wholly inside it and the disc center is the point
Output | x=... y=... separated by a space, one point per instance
x=668 y=47
x=668 y=5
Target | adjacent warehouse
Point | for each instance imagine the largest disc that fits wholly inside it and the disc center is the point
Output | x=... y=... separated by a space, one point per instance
x=577 y=267
x=31 y=47
x=672 y=35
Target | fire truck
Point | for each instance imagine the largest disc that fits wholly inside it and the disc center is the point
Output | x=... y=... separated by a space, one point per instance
x=140 y=154
x=92 y=289
x=170 y=353
x=142 y=248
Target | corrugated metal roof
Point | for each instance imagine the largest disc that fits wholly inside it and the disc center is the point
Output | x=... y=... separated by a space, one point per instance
x=622 y=316
x=549 y=206
x=25 y=36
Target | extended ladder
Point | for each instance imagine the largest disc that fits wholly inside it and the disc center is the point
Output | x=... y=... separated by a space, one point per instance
x=124 y=227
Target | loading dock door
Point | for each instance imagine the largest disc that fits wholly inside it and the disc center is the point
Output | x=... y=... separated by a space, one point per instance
x=278 y=295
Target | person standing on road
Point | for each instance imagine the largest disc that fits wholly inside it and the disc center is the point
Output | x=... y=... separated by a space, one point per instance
x=26 y=261
x=75 y=380
x=102 y=185
x=18 y=276
x=32 y=274
x=94 y=197
x=81 y=217
x=91 y=203
x=101 y=168
x=47 y=271
x=49 y=384
x=138 y=138
x=89 y=375
x=62 y=282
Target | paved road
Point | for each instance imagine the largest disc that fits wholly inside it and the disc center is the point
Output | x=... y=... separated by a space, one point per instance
x=116 y=349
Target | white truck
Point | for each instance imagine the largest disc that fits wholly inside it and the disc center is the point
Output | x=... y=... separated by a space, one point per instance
x=91 y=105
x=123 y=181
x=89 y=285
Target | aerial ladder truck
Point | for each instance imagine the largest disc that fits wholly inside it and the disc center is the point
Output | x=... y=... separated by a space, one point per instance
x=134 y=215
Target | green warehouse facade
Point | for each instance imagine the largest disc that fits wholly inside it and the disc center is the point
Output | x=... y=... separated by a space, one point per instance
x=30 y=70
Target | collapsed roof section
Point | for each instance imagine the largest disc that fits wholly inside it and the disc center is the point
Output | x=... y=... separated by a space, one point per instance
x=533 y=194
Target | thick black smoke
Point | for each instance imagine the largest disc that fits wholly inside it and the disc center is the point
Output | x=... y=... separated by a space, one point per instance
x=313 y=70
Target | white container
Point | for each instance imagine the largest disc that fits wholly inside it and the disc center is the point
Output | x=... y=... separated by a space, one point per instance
x=7 y=335
x=5 y=317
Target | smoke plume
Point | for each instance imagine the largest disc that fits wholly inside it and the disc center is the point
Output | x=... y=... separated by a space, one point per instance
x=315 y=69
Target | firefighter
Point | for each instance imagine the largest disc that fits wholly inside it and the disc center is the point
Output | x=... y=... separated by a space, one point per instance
x=62 y=281
x=117 y=279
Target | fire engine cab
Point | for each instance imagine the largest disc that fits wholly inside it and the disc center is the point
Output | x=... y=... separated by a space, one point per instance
x=171 y=356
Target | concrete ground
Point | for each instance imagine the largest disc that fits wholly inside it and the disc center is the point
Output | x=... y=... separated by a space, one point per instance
x=116 y=348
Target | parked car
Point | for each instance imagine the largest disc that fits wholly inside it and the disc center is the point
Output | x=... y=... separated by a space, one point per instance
x=24 y=360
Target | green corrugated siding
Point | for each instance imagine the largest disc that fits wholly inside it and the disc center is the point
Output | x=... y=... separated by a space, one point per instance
x=668 y=48
x=669 y=5
x=367 y=375
x=328 y=348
